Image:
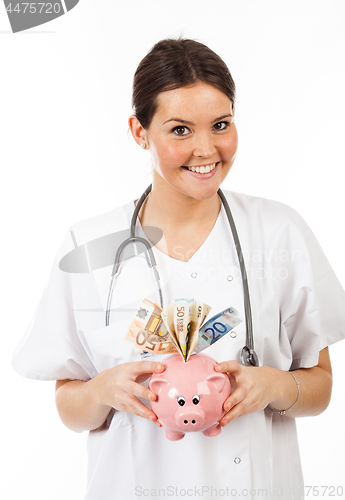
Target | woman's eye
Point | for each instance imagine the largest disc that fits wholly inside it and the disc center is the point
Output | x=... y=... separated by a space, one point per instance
x=221 y=125
x=180 y=130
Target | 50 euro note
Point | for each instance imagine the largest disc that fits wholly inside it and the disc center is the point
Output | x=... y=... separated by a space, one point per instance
x=148 y=331
x=183 y=319
x=183 y=309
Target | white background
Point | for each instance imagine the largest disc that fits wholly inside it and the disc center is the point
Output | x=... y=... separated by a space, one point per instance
x=66 y=154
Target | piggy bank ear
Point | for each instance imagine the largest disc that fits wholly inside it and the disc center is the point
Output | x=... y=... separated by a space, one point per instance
x=156 y=384
x=218 y=380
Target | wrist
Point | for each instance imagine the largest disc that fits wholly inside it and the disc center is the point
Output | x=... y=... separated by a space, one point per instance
x=275 y=380
x=282 y=412
x=95 y=388
x=287 y=393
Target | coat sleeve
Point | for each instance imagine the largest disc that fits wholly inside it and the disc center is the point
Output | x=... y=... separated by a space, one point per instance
x=330 y=294
x=51 y=348
x=315 y=318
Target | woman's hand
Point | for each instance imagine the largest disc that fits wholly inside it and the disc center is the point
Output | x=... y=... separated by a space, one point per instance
x=254 y=388
x=120 y=387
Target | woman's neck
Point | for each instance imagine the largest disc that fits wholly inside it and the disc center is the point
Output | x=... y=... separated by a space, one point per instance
x=168 y=208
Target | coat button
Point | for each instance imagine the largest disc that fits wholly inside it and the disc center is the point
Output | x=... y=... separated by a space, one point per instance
x=194 y=275
x=237 y=460
x=229 y=278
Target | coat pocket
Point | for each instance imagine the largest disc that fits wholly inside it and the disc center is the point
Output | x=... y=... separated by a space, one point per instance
x=108 y=348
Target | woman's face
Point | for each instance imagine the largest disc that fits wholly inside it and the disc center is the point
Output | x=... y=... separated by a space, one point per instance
x=193 y=139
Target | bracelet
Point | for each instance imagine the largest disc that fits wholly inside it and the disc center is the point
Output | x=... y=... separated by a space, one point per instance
x=282 y=412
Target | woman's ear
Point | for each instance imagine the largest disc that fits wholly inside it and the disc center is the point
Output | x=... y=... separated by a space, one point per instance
x=138 y=131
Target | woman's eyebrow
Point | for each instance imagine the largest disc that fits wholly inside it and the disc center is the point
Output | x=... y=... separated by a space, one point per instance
x=191 y=123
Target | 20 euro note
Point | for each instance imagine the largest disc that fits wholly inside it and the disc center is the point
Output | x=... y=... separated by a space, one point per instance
x=148 y=331
x=216 y=327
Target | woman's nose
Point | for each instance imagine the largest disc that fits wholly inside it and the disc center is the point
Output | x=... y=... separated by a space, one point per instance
x=204 y=146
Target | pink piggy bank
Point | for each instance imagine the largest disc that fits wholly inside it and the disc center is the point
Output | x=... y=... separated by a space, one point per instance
x=190 y=396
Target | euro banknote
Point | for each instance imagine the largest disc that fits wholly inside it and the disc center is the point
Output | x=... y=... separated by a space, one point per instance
x=216 y=327
x=199 y=314
x=179 y=327
x=183 y=318
x=183 y=309
x=148 y=331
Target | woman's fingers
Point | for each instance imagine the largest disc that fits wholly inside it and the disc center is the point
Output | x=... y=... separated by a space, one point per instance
x=231 y=366
x=121 y=388
x=140 y=391
x=127 y=400
x=142 y=370
x=236 y=398
x=236 y=405
x=235 y=412
x=135 y=407
x=145 y=367
x=250 y=390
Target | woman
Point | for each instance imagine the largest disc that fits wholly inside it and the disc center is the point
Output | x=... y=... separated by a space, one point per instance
x=183 y=100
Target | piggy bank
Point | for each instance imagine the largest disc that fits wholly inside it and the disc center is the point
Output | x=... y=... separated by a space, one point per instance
x=190 y=396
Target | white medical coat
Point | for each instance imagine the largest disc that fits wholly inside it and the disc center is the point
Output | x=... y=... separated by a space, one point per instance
x=298 y=309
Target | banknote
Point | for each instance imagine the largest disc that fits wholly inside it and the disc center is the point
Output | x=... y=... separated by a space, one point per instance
x=183 y=309
x=216 y=327
x=148 y=331
x=168 y=319
x=183 y=318
x=179 y=327
x=199 y=313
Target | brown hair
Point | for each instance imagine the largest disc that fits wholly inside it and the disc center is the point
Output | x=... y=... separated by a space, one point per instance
x=174 y=63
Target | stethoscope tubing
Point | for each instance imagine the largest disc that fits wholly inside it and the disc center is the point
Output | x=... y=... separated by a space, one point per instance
x=248 y=355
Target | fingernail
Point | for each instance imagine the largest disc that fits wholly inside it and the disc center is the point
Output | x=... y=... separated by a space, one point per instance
x=159 y=367
x=151 y=418
x=225 y=421
x=228 y=406
x=152 y=396
x=218 y=367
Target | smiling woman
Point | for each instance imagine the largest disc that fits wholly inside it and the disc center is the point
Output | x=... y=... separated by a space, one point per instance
x=183 y=114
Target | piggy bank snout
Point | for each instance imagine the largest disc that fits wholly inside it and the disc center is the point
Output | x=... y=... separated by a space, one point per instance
x=190 y=418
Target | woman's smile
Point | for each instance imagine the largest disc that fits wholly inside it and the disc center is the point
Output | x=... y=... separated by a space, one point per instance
x=203 y=171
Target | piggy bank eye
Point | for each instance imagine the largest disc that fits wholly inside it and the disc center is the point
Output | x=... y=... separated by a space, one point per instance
x=196 y=399
x=181 y=400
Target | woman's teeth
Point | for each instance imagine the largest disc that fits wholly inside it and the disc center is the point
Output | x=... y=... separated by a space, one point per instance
x=203 y=170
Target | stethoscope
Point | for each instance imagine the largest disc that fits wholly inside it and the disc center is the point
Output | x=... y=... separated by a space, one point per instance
x=248 y=355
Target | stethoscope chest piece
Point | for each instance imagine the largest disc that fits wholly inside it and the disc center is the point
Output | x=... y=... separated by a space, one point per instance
x=249 y=357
